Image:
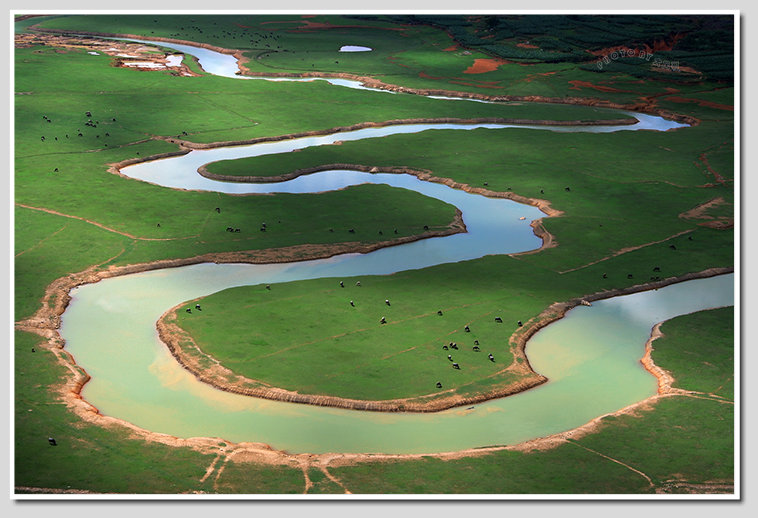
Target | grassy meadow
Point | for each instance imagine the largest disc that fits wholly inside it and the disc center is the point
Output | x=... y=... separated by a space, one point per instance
x=623 y=212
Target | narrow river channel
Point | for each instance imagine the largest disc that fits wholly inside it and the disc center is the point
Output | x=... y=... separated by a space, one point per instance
x=591 y=356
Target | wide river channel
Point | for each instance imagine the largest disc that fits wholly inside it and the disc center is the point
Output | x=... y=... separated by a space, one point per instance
x=591 y=356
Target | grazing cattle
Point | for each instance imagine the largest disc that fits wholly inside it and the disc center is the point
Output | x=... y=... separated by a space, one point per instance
x=33 y=350
x=673 y=247
x=197 y=307
x=387 y=301
x=426 y=227
x=542 y=191
x=229 y=229
x=456 y=366
x=342 y=284
x=352 y=231
x=519 y=323
x=486 y=183
x=657 y=269
x=605 y=276
x=188 y=310
x=352 y=304
x=467 y=329
x=568 y=189
x=381 y=233
x=454 y=346
x=492 y=358
x=55 y=170
x=268 y=286
x=689 y=238
x=42 y=138
x=236 y=230
x=439 y=385
x=52 y=441
x=445 y=347
x=476 y=348
x=331 y=230
x=263 y=229
x=498 y=319
x=358 y=283
x=449 y=357
x=383 y=321
x=439 y=312
x=395 y=231
x=629 y=276
x=218 y=210
x=159 y=225
x=476 y=342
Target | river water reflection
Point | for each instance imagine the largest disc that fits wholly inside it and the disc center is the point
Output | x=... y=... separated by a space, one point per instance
x=591 y=356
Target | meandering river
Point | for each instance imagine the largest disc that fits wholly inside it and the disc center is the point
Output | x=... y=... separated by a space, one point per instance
x=591 y=356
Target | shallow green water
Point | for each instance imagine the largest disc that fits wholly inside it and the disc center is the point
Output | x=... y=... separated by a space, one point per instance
x=591 y=356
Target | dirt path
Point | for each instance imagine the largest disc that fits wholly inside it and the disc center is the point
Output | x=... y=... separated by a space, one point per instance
x=649 y=481
x=627 y=250
x=100 y=225
x=41 y=241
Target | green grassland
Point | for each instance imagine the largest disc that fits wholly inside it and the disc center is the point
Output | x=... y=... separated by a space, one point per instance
x=627 y=190
x=680 y=439
x=412 y=53
x=696 y=348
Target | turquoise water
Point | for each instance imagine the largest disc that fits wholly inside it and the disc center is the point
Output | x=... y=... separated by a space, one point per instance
x=591 y=356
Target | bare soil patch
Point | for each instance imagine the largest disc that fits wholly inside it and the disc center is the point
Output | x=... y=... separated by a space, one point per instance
x=484 y=65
